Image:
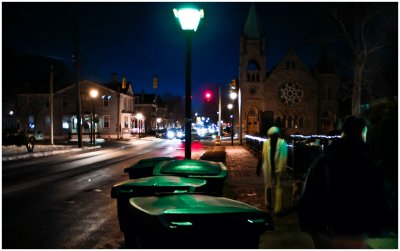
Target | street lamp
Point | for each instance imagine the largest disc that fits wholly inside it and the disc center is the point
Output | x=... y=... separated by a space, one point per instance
x=189 y=19
x=158 y=120
x=93 y=93
x=230 y=106
x=233 y=95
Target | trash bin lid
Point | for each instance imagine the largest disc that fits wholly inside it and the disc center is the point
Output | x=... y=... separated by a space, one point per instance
x=190 y=167
x=190 y=204
x=146 y=163
x=156 y=184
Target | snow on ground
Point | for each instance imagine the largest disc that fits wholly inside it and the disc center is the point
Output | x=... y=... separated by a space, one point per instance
x=20 y=152
x=13 y=149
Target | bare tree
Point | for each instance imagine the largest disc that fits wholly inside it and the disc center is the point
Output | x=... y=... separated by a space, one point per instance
x=364 y=28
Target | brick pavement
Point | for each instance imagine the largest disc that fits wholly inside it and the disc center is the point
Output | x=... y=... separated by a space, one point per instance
x=244 y=185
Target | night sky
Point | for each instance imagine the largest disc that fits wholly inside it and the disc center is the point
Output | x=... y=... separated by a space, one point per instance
x=142 y=40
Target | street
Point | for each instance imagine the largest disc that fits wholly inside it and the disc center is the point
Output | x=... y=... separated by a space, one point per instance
x=64 y=201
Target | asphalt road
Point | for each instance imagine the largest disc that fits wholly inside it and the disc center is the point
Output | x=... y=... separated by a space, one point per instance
x=64 y=201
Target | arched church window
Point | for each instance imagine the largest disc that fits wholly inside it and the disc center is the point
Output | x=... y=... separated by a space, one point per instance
x=258 y=77
x=253 y=66
x=301 y=122
x=253 y=78
x=290 y=121
x=279 y=122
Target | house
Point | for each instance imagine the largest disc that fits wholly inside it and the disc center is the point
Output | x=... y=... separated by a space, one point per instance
x=118 y=112
x=112 y=111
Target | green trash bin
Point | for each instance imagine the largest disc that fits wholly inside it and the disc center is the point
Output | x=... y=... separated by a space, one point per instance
x=214 y=173
x=154 y=185
x=193 y=221
x=144 y=167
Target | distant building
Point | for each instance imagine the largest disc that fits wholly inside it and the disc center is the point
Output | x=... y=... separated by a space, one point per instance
x=113 y=110
x=154 y=113
x=116 y=111
x=289 y=96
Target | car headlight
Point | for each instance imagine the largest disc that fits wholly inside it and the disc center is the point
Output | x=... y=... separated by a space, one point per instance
x=170 y=135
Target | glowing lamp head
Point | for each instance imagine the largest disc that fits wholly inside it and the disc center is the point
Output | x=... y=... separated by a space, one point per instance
x=189 y=18
x=233 y=95
x=230 y=106
x=139 y=116
x=94 y=93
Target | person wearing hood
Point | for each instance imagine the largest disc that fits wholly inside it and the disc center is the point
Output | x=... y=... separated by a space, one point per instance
x=274 y=159
x=343 y=199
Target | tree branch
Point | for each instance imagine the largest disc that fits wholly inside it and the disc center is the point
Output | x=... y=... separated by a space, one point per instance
x=343 y=26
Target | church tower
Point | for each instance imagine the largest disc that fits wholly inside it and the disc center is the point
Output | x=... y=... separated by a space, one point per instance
x=252 y=71
x=288 y=96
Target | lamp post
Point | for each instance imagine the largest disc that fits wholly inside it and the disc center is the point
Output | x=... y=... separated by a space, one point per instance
x=158 y=120
x=230 y=106
x=93 y=93
x=233 y=95
x=189 y=19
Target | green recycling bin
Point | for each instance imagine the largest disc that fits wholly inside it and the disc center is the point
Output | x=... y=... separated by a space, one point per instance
x=214 y=173
x=147 y=186
x=144 y=167
x=193 y=221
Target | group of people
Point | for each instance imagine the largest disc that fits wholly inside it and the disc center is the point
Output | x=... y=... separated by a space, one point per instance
x=342 y=201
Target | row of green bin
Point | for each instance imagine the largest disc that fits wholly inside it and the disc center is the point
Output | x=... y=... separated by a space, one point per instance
x=176 y=203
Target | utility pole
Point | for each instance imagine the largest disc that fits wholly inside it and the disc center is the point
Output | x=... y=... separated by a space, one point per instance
x=51 y=106
x=77 y=87
x=240 y=112
x=219 y=111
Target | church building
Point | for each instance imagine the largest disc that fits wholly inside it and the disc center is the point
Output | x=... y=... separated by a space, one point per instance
x=289 y=96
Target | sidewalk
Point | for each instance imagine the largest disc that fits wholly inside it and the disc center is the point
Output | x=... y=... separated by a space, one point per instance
x=244 y=185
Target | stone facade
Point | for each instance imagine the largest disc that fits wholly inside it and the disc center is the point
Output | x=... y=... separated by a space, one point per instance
x=289 y=96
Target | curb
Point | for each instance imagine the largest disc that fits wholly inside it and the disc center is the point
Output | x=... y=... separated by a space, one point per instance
x=215 y=153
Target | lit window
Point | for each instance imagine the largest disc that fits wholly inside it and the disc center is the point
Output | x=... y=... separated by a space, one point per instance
x=47 y=121
x=126 y=121
x=65 y=122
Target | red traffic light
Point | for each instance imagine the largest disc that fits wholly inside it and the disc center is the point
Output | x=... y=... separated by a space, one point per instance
x=208 y=95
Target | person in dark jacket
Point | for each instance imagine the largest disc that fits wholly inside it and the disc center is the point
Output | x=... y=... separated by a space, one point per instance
x=343 y=200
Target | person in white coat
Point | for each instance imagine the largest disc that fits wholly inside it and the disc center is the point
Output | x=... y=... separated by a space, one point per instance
x=274 y=159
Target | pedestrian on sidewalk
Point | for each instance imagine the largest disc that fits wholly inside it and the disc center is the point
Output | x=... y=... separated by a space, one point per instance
x=343 y=200
x=273 y=163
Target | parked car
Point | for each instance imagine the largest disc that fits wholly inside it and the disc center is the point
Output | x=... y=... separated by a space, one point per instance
x=175 y=133
x=19 y=138
x=161 y=133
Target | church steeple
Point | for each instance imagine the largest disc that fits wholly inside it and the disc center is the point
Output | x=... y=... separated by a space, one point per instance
x=253 y=28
